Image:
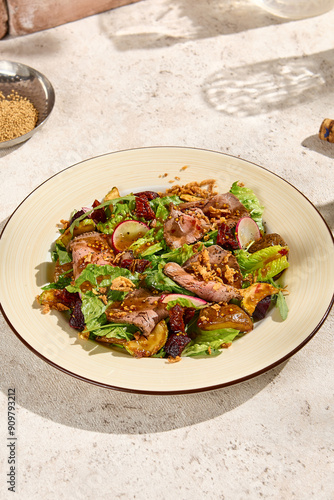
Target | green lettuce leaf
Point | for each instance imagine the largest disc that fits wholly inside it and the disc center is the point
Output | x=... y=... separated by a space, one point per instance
x=156 y=278
x=116 y=330
x=282 y=305
x=63 y=281
x=160 y=206
x=264 y=264
x=93 y=310
x=182 y=301
x=247 y=197
x=60 y=253
x=151 y=243
x=208 y=343
x=92 y=272
x=123 y=210
x=117 y=205
x=179 y=255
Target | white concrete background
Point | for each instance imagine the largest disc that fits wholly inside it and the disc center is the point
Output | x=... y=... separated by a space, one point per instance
x=219 y=75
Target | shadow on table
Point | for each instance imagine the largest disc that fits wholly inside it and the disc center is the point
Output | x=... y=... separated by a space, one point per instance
x=327 y=211
x=170 y=22
x=263 y=87
x=53 y=395
x=319 y=146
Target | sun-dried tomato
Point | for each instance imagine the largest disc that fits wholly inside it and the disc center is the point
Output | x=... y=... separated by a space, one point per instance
x=126 y=263
x=176 y=322
x=150 y=195
x=141 y=265
x=138 y=265
x=189 y=313
x=175 y=344
x=99 y=214
x=77 y=319
x=226 y=238
x=143 y=208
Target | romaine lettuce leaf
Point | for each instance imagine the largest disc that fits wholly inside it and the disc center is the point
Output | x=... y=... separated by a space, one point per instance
x=265 y=263
x=179 y=255
x=208 y=343
x=151 y=243
x=120 y=212
x=109 y=273
x=119 y=204
x=247 y=197
x=160 y=206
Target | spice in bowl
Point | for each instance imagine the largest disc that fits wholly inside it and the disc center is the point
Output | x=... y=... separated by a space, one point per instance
x=18 y=116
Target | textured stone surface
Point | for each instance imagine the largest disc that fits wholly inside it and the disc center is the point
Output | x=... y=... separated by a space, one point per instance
x=219 y=75
x=3 y=18
x=29 y=16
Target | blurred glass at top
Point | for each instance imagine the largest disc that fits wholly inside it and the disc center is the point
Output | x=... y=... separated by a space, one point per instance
x=296 y=9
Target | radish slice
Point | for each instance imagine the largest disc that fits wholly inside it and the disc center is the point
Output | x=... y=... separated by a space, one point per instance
x=247 y=231
x=196 y=302
x=126 y=233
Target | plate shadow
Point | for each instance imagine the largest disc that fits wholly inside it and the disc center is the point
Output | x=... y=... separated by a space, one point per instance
x=56 y=396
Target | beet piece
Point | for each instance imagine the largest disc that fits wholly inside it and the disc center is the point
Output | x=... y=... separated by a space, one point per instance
x=225 y=238
x=176 y=323
x=67 y=298
x=175 y=344
x=150 y=195
x=77 y=319
x=77 y=215
x=143 y=208
x=262 y=308
x=99 y=214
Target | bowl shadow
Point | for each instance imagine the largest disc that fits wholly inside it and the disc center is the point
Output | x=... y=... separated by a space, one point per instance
x=170 y=22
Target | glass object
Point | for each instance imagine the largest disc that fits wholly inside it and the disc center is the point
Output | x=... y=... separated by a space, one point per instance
x=296 y=9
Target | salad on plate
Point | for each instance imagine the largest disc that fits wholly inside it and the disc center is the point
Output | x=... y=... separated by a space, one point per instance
x=183 y=272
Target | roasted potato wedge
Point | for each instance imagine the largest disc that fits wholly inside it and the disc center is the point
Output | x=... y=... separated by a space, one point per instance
x=228 y=316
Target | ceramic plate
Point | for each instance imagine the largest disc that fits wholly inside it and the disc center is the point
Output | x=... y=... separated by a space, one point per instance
x=25 y=265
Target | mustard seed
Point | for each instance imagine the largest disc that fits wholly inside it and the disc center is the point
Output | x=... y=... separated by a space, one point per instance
x=18 y=116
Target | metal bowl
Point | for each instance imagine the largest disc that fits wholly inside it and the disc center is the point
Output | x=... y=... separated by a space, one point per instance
x=29 y=83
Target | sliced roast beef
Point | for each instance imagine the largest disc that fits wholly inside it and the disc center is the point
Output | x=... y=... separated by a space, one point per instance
x=229 y=205
x=223 y=262
x=140 y=308
x=89 y=248
x=181 y=228
x=212 y=291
